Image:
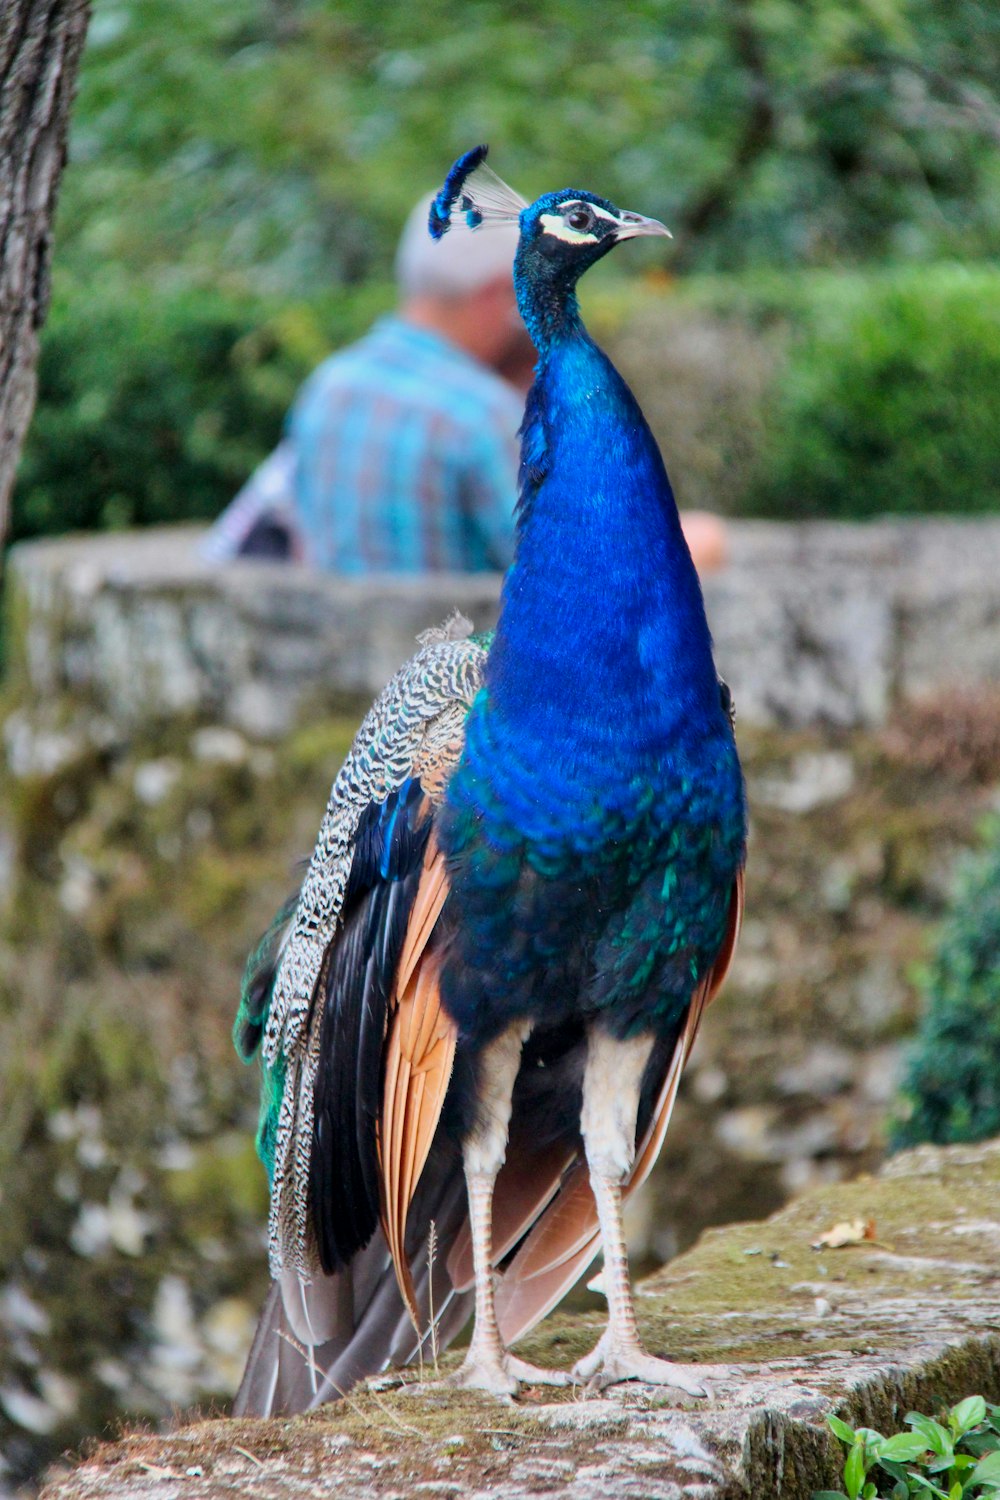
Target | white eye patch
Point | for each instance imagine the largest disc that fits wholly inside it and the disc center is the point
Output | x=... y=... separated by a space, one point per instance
x=555 y=224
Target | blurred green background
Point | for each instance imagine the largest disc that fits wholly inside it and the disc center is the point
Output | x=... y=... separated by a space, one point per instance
x=823 y=337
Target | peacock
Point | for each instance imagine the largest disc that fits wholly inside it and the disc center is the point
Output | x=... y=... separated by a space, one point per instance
x=527 y=886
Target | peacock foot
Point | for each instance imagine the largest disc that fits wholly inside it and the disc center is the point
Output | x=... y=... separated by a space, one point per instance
x=610 y=1362
x=501 y=1373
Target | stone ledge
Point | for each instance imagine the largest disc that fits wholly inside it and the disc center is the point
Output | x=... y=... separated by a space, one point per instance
x=815 y=623
x=910 y=1319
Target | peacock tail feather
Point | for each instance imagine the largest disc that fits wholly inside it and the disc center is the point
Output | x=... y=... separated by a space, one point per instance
x=411 y=737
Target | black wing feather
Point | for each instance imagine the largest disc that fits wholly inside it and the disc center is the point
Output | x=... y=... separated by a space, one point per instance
x=385 y=872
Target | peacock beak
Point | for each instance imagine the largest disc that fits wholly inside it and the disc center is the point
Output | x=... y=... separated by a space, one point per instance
x=633 y=225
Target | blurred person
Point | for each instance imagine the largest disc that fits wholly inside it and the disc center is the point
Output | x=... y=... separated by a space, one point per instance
x=401 y=452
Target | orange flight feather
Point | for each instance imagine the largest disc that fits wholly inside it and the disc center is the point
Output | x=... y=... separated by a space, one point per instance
x=419 y=1052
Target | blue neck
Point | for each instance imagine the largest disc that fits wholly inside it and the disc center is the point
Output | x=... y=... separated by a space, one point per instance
x=547 y=304
x=602 y=609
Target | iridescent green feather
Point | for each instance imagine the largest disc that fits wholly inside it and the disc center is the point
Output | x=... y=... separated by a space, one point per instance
x=248 y=1029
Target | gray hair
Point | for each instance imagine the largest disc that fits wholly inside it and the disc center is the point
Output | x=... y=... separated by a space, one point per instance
x=462 y=262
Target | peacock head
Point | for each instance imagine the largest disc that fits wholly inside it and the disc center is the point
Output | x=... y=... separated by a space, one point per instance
x=561 y=235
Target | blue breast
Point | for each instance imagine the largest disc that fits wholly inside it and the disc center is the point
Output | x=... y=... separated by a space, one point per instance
x=602 y=663
x=596 y=821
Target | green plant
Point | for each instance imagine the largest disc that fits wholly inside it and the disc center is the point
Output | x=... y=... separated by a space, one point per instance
x=279 y=144
x=951 y=1090
x=155 y=407
x=955 y=1459
x=888 y=400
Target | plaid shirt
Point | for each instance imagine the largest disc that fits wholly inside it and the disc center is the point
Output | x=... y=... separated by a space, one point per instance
x=400 y=457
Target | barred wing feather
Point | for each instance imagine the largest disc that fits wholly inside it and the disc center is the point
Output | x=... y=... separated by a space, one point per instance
x=340 y=995
x=411 y=738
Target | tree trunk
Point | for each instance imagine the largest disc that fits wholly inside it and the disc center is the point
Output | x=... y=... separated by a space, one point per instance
x=40 y=46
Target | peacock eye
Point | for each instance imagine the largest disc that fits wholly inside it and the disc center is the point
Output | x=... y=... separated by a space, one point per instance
x=580 y=218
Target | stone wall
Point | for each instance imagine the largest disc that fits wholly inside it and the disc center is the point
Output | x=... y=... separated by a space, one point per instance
x=784 y=1333
x=815 y=624
x=146 y=839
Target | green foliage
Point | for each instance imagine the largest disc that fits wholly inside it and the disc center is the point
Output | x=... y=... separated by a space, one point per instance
x=276 y=144
x=816 y=393
x=952 y=1460
x=846 y=394
x=239 y=171
x=889 y=401
x=156 y=408
x=951 y=1091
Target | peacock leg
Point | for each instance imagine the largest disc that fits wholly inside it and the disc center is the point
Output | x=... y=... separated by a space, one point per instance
x=611 y=1084
x=488 y=1365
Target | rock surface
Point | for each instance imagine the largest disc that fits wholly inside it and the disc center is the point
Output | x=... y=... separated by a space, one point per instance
x=908 y=1319
x=816 y=623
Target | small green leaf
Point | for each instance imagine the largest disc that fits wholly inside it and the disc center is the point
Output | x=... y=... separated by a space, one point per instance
x=955 y=1493
x=987 y=1470
x=926 y=1484
x=900 y=1491
x=854 y=1471
x=845 y=1433
x=869 y=1492
x=983 y=1441
x=904 y=1447
x=966 y=1415
x=937 y=1437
